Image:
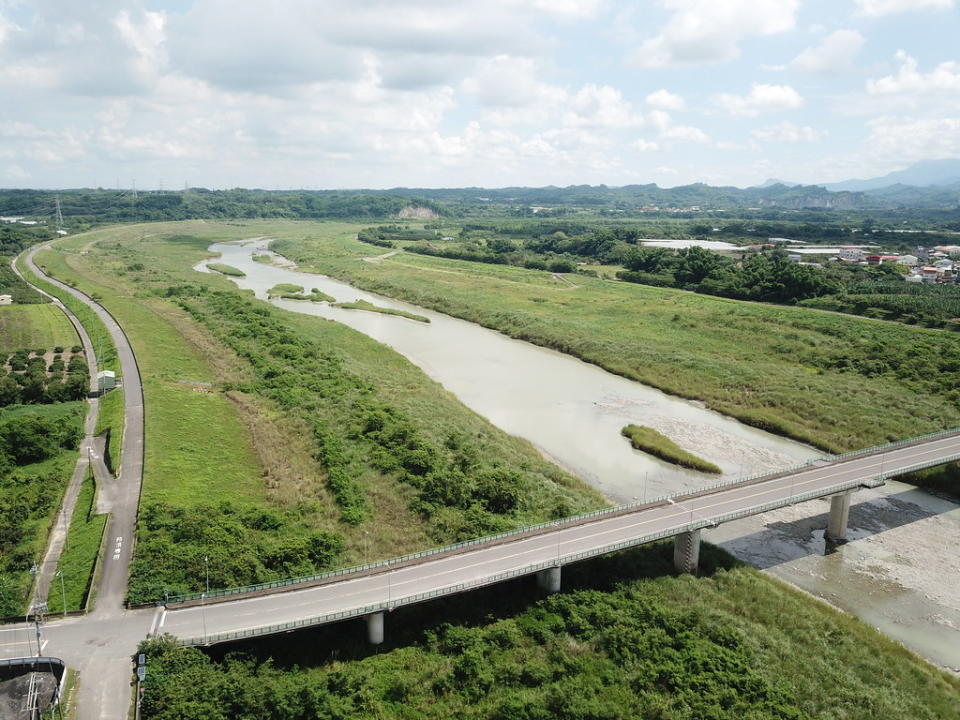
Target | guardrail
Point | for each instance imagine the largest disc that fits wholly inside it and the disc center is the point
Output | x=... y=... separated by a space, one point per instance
x=698 y=523
x=573 y=520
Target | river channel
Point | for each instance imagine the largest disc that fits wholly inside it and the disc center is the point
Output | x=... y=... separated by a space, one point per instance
x=573 y=413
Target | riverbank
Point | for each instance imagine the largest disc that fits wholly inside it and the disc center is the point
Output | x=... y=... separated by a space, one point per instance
x=839 y=383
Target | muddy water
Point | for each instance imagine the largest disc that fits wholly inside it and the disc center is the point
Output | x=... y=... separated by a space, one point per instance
x=899 y=572
x=572 y=411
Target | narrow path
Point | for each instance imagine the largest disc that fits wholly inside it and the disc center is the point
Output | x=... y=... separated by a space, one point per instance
x=105 y=666
x=377 y=258
x=89 y=451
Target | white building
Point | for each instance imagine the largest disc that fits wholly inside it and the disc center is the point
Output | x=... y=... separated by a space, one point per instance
x=106 y=380
x=6 y=299
x=908 y=260
x=851 y=254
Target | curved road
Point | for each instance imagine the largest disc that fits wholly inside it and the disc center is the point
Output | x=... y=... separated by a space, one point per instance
x=101 y=653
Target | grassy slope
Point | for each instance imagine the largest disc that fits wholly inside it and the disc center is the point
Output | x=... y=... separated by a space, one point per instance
x=35 y=326
x=110 y=418
x=759 y=363
x=79 y=554
x=731 y=644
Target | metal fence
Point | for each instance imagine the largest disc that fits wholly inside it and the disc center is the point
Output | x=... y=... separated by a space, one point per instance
x=696 y=523
x=573 y=520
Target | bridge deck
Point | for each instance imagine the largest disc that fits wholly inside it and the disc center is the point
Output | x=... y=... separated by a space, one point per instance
x=489 y=563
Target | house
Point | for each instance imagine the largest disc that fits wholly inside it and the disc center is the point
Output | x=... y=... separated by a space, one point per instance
x=908 y=260
x=106 y=380
x=929 y=274
x=913 y=278
x=878 y=259
x=795 y=258
x=6 y=299
x=851 y=254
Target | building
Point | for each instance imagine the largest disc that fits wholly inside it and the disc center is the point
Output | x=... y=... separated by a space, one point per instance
x=878 y=259
x=908 y=260
x=929 y=274
x=106 y=380
x=6 y=299
x=850 y=254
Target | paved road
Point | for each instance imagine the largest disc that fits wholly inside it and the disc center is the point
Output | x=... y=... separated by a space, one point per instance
x=103 y=657
x=90 y=450
x=490 y=563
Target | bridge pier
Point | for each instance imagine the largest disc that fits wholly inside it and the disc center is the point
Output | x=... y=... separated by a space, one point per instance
x=375 y=628
x=549 y=580
x=686 y=552
x=839 y=515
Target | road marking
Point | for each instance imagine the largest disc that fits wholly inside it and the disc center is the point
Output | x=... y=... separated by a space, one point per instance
x=118 y=546
x=787 y=486
x=158 y=619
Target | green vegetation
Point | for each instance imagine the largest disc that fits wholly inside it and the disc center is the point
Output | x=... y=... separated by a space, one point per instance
x=276 y=442
x=34 y=326
x=103 y=346
x=912 y=303
x=79 y=553
x=943 y=480
x=730 y=644
x=110 y=420
x=650 y=441
x=288 y=291
x=370 y=307
x=227 y=269
x=840 y=383
x=37 y=453
x=263 y=258
x=31 y=381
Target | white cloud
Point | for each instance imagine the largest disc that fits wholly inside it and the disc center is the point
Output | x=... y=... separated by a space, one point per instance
x=644 y=145
x=945 y=78
x=708 y=31
x=787 y=132
x=911 y=139
x=665 y=100
x=761 y=98
x=832 y=56
x=877 y=8
x=662 y=122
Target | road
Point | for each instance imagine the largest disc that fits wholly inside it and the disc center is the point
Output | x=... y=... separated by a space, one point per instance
x=103 y=657
x=488 y=563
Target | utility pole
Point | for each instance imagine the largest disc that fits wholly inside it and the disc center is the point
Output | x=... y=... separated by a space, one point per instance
x=206 y=562
x=59 y=214
x=63 y=592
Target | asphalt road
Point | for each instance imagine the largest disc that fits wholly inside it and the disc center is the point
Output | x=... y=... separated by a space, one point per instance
x=104 y=671
x=485 y=564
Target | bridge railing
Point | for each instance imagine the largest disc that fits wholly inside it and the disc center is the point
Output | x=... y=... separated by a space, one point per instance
x=697 y=522
x=573 y=520
x=894 y=445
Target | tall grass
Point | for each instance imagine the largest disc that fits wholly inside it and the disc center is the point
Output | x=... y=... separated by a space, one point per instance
x=650 y=441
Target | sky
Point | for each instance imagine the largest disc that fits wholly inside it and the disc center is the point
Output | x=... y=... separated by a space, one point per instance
x=452 y=93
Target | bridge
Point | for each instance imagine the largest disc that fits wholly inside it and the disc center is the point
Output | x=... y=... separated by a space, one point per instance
x=372 y=591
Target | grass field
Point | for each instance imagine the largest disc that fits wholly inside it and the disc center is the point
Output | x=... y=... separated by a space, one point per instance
x=103 y=346
x=837 y=382
x=659 y=445
x=625 y=639
x=79 y=553
x=35 y=326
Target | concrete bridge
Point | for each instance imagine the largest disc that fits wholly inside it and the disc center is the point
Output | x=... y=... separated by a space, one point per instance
x=372 y=591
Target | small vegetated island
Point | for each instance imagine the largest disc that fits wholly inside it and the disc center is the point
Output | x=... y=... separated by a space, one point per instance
x=289 y=291
x=659 y=445
x=370 y=307
x=226 y=270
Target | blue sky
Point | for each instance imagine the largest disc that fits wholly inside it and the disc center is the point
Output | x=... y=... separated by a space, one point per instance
x=382 y=93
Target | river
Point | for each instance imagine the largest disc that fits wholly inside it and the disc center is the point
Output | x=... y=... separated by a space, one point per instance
x=895 y=575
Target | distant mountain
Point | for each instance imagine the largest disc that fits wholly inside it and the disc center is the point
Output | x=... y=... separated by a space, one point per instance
x=774 y=181
x=923 y=174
